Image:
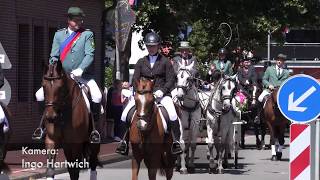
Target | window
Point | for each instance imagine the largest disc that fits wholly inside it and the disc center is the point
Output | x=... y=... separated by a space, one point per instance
x=23 y=62
x=52 y=31
x=38 y=56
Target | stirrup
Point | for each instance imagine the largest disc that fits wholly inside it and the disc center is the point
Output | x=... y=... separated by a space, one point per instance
x=38 y=134
x=95 y=137
x=123 y=148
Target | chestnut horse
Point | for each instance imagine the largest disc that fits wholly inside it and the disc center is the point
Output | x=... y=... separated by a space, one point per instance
x=67 y=122
x=276 y=123
x=4 y=138
x=147 y=135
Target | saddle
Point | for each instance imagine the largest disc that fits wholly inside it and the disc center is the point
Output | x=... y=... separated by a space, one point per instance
x=87 y=97
x=163 y=113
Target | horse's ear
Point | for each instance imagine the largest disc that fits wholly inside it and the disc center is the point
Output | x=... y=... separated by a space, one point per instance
x=136 y=82
x=190 y=66
x=45 y=68
x=59 y=67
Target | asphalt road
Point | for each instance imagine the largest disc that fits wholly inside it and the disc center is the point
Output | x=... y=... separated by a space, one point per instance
x=254 y=164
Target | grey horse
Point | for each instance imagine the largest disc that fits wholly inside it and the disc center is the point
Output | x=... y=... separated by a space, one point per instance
x=186 y=96
x=220 y=116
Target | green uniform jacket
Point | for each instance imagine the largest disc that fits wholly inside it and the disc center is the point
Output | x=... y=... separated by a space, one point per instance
x=227 y=70
x=270 y=77
x=81 y=54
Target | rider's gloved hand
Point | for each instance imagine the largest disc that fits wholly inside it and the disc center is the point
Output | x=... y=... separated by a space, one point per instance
x=158 y=94
x=77 y=73
x=271 y=87
x=52 y=61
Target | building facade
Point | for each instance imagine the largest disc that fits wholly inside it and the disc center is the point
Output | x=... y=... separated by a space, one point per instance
x=26 y=33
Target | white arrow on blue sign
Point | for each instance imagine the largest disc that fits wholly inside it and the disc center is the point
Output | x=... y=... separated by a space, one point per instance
x=299 y=98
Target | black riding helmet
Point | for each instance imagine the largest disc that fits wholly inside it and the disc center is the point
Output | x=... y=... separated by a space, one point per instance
x=222 y=51
x=152 y=39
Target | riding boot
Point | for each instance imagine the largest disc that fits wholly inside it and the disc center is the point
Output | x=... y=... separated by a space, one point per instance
x=39 y=133
x=175 y=128
x=123 y=147
x=95 y=135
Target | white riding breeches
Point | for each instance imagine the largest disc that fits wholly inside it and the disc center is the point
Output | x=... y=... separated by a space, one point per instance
x=166 y=101
x=263 y=94
x=94 y=91
x=3 y=119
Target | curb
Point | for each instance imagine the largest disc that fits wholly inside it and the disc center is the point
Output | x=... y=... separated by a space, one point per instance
x=104 y=159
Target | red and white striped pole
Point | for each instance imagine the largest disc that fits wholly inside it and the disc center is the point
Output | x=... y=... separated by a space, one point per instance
x=300 y=152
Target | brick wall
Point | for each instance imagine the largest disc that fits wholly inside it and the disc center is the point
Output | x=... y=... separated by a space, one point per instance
x=42 y=17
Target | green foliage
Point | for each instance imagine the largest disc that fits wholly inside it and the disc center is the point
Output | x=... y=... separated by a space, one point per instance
x=250 y=20
x=108 y=76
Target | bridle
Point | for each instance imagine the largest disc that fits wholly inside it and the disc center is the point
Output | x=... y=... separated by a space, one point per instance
x=189 y=84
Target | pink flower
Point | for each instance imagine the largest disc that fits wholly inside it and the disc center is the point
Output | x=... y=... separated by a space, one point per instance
x=241 y=96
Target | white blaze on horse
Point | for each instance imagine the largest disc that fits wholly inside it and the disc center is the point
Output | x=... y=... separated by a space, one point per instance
x=220 y=116
x=187 y=98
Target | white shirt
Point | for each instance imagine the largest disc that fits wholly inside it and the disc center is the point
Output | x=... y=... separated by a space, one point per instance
x=152 y=60
x=222 y=64
x=70 y=31
x=279 y=70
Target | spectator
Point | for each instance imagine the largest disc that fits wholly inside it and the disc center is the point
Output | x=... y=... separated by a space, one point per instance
x=115 y=108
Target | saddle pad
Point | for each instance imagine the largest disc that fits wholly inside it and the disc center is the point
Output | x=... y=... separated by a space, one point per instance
x=85 y=92
x=164 y=122
x=85 y=96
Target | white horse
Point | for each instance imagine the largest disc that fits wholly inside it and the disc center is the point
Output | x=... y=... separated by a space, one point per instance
x=220 y=116
x=188 y=101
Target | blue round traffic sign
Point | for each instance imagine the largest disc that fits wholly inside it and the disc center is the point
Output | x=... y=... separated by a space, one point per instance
x=299 y=98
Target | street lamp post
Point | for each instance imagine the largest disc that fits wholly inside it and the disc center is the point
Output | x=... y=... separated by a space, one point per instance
x=269 y=44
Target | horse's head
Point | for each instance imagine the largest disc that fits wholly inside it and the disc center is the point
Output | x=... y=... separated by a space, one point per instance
x=184 y=81
x=53 y=83
x=145 y=102
x=227 y=88
x=274 y=94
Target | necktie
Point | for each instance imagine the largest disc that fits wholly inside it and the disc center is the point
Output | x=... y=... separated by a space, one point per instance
x=279 y=72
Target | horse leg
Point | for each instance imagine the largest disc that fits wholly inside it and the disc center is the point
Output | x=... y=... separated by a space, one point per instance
x=272 y=141
x=152 y=173
x=256 y=132
x=93 y=159
x=195 y=116
x=135 y=167
x=183 y=168
x=280 y=137
x=219 y=148
x=243 y=132
x=50 y=147
x=210 y=142
x=263 y=134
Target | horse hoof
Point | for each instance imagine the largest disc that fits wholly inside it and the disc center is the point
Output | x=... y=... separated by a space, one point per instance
x=242 y=146
x=212 y=171
x=273 y=158
x=191 y=170
x=178 y=168
x=220 y=171
x=183 y=171
x=279 y=156
x=225 y=165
